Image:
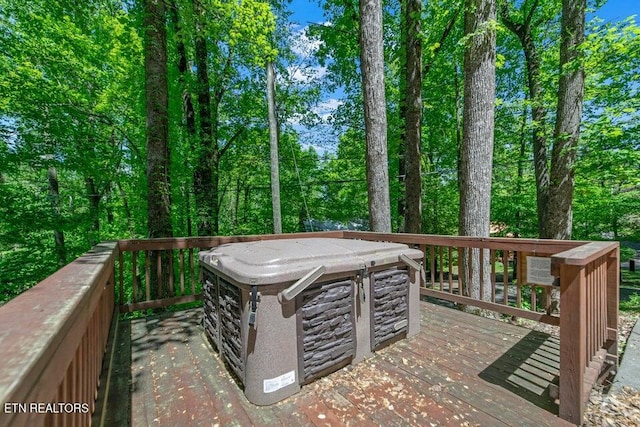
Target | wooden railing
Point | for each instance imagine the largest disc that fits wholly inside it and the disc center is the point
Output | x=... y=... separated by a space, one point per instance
x=178 y=259
x=52 y=342
x=54 y=335
x=503 y=277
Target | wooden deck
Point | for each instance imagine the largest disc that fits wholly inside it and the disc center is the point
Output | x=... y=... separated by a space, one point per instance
x=460 y=370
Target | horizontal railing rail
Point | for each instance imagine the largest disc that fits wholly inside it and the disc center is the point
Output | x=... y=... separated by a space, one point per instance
x=52 y=343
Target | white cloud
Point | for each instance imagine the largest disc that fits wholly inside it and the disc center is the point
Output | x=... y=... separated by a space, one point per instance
x=304 y=46
x=306 y=74
x=325 y=109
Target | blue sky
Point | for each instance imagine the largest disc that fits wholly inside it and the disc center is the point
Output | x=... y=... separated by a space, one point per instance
x=618 y=10
x=305 y=11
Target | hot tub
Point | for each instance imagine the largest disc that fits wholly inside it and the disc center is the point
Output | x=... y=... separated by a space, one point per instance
x=282 y=313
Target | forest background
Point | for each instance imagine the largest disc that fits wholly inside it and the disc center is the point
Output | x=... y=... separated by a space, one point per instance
x=73 y=157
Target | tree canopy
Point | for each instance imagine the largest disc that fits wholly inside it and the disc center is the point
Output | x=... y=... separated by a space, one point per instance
x=74 y=156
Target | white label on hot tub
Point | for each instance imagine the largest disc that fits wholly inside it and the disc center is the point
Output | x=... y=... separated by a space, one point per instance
x=277 y=383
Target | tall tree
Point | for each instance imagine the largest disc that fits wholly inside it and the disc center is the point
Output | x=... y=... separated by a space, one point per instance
x=273 y=145
x=522 y=24
x=568 y=117
x=58 y=234
x=205 y=175
x=477 y=144
x=231 y=39
x=375 y=113
x=157 y=105
x=413 y=120
x=158 y=160
x=188 y=110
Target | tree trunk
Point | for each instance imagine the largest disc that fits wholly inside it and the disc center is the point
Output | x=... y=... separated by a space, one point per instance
x=522 y=30
x=459 y=112
x=158 y=159
x=568 y=116
x=158 y=181
x=127 y=210
x=204 y=181
x=402 y=115
x=236 y=206
x=58 y=234
x=413 y=123
x=273 y=142
x=94 y=210
x=477 y=143
x=188 y=111
x=521 y=164
x=375 y=114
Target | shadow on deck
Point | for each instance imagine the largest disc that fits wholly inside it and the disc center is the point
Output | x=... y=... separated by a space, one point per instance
x=460 y=370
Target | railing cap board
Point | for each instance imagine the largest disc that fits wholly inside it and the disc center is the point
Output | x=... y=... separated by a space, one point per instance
x=35 y=322
x=509 y=243
x=584 y=254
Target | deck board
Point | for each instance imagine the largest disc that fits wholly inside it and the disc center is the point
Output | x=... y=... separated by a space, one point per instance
x=460 y=370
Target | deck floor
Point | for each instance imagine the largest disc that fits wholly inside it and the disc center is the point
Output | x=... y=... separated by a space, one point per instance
x=460 y=370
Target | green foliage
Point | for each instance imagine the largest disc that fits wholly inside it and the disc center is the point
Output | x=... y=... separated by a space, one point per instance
x=631 y=279
x=525 y=295
x=632 y=304
x=608 y=170
x=68 y=76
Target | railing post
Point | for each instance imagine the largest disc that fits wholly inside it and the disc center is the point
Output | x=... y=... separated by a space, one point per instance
x=573 y=351
x=613 y=300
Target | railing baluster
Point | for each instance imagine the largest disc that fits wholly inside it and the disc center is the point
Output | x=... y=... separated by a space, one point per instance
x=518 y=273
x=134 y=268
x=171 y=290
x=432 y=264
x=159 y=277
x=592 y=294
x=191 y=271
x=613 y=297
x=147 y=274
x=441 y=254
x=534 y=302
x=181 y=255
x=77 y=373
x=492 y=258
x=481 y=258
x=603 y=303
x=505 y=276
x=547 y=296
x=469 y=276
x=423 y=248
x=121 y=276
x=450 y=269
